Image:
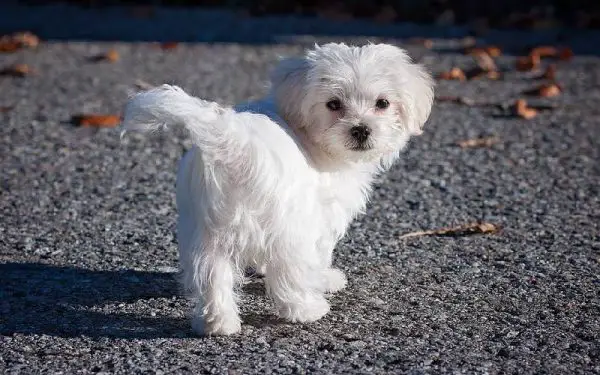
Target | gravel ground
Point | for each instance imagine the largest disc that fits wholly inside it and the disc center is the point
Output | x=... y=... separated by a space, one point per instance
x=88 y=252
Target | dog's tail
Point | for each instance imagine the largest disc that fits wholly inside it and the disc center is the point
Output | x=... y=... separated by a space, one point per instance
x=211 y=126
x=246 y=143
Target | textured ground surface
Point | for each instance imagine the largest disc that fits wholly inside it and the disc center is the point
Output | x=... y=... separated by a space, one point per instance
x=88 y=255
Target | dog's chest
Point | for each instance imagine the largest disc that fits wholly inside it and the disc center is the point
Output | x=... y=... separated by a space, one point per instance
x=342 y=198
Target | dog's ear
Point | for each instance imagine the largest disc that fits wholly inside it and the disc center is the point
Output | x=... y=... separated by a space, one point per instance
x=419 y=96
x=288 y=86
x=414 y=85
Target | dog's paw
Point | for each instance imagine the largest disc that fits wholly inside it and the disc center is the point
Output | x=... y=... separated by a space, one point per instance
x=308 y=310
x=216 y=326
x=335 y=280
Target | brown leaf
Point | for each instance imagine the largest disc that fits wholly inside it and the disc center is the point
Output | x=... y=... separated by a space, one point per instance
x=9 y=45
x=484 y=61
x=17 y=70
x=565 y=54
x=546 y=91
x=27 y=39
x=544 y=51
x=478 y=142
x=6 y=108
x=528 y=63
x=480 y=73
x=93 y=120
x=473 y=50
x=521 y=109
x=458 y=231
x=169 y=45
x=493 y=51
x=454 y=74
x=110 y=56
x=456 y=99
x=16 y=41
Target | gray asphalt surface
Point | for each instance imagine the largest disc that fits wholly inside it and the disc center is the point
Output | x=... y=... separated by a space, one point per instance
x=88 y=252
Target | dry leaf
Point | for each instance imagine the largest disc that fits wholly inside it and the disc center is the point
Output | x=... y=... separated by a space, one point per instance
x=546 y=91
x=27 y=39
x=544 y=51
x=493 y=75
x=110 y=56
x=528 y=63
x=169 y=45
x=456 y=99
x=9 y=45
x=522 y=110
x=473 y=50
x=565 y=54
x=100 y=121
x=13 y=42
x=17 y=70
x=454 y=74
x=493 y=51
x=458 y=231
x=484 y=61
x=480 y=73
x=478 y=142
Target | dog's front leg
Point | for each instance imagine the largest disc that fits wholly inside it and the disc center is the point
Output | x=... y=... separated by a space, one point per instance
x=293 y=279
x=333 y=278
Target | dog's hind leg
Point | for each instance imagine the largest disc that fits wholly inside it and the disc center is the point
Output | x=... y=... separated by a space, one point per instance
x=209 y=274
x=217 y=311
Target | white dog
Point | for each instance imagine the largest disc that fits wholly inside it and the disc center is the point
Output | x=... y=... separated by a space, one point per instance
x=274 y=183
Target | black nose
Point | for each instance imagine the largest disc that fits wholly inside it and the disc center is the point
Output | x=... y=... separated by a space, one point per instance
x=360 y=133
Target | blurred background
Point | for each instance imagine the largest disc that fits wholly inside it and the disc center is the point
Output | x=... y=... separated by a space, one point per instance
x=506 y=13
x=220 y=20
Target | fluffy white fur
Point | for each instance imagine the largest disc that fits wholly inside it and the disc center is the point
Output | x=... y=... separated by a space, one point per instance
x=273 y=184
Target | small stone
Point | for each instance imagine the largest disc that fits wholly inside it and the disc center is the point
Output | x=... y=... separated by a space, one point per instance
x=167 y=269
x=359 y=344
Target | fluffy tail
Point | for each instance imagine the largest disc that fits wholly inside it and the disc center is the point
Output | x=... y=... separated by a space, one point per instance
x=168 y=106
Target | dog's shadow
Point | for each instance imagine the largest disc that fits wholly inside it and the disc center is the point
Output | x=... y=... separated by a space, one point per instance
x=69 y=302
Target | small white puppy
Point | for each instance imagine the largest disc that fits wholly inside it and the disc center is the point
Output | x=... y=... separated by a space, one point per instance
x=273 y=184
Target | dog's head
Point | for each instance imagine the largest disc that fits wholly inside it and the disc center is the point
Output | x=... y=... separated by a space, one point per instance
x=354 y=104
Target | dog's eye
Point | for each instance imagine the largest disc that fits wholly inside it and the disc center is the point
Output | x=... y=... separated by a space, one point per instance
x=382 y=104
x=334 y=105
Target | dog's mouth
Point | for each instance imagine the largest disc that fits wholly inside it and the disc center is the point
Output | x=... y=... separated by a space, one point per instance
x=361 y=147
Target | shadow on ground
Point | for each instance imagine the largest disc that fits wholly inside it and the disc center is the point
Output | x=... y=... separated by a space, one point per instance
x=60 y=301
x=69 y=302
